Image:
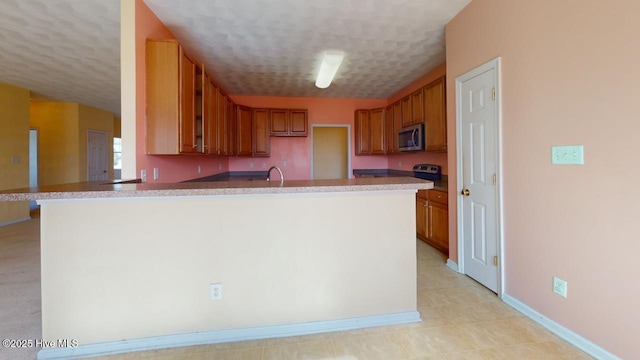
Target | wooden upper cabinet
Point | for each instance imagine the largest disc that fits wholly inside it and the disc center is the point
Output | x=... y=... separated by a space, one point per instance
x=406 y=111
x=174 y=100
x=260 y=127
x=298 y=122
x=389 y=130
x=377 y=132
x=288 y=122
x=362 y=129
x=220 y=125
x=244 y=131
x=435 y=116
x=279 y=120
x=417 y=107
x=231 y=127
x=397 y=125
x=210 y=114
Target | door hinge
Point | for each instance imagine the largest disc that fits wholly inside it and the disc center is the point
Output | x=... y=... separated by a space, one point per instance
x=495 y=179
x=495 y=261
x=493 y=94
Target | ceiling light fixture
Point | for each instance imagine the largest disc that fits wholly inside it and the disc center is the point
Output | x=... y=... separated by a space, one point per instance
x=330 y=64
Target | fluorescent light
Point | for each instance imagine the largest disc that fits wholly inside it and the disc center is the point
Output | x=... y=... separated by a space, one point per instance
x=330 y=64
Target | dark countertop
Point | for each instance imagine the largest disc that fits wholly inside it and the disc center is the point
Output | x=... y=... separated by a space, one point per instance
x=234 y=176
x=441 y=185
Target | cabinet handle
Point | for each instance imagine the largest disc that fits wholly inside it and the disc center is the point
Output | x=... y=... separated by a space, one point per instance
x=439 y=196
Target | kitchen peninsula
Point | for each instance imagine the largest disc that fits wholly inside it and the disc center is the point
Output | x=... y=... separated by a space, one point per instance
x=129 y=267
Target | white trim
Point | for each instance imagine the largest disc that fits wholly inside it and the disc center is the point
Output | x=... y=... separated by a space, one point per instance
x=452 y=265
x=222 y=336
x=11 y=222
x=492 y=64
x=349 y=170
x=566 y=334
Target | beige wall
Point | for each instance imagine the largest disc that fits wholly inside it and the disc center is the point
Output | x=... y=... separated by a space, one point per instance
x=285 y=266
x=569 y=76
x=90 y=118
x=62 y=130
x=14 y=144
x=58 y=141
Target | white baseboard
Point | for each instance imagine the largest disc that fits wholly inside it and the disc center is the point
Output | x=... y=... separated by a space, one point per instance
x=15 y=221
x=566 y=334
x=452 y=265
x=222 y=336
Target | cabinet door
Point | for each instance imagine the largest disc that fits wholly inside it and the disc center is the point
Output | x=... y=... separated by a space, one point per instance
x=221 y=104
x=244 y=131
x=417 y=107
x=406 y=111
x=389 y=130
x=298 y=121
x=163 y=100
x=363 y=146
x=187 y=104
x=377 y=126
x=260 y=132
x=435 y=116
x=439 y=226
x=231 y=127
x=421 y=218
x=209 y=116
x=279 y=122
x=397 y=124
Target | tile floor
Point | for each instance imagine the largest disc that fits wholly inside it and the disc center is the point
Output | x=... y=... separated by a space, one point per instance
x=460 y=320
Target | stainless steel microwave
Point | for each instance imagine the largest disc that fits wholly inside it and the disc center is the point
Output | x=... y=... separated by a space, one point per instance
x=411 y=138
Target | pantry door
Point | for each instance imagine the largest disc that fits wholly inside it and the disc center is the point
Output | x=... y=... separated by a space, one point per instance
x=478 y=178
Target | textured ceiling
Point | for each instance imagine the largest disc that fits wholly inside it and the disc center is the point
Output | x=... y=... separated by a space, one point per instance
x=274 y=47
x=69 y=50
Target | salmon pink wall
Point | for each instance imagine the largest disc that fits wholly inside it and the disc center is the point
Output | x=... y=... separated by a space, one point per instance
x=297 y=151
x=569 y=76
x=171 y=168
x=406 y=161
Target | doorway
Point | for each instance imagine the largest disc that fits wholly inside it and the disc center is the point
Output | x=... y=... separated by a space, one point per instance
x=478 y=158
x=33 y=164
x=330 y=152
x=97 y=156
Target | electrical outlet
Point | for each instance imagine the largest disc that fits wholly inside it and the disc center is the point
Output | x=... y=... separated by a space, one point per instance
x=156 y=174
x=400 y=163
x=216 y=291
x=560 y=287
x=284 y=163
x=264 y=165
x=143 y=175
x=199 y=169
x=250 y=165
x=219 y=166
x=567 y=155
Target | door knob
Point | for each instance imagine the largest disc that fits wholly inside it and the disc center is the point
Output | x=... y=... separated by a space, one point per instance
x=465 y=192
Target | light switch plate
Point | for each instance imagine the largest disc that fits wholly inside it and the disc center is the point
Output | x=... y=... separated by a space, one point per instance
x=567 y=155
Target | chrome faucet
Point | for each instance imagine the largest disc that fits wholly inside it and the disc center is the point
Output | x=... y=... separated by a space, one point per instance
x=280 y=171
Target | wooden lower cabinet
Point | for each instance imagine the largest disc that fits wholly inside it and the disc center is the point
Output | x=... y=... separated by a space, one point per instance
x=432 y=219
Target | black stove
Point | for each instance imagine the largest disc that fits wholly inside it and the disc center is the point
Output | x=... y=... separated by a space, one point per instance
x=427 y=171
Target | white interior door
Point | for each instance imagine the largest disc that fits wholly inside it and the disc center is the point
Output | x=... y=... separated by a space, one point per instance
x=478 y=135
x=97 y=156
